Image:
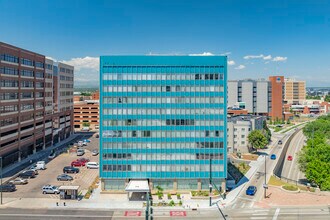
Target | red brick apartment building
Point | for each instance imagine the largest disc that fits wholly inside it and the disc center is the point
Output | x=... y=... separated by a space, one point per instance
x=34 y=112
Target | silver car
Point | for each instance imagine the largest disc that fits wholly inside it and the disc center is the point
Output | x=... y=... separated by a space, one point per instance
x=19 y=181
x=95 y=152
x=50 y=189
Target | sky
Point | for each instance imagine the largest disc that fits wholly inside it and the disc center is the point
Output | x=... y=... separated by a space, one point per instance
x=260 y=38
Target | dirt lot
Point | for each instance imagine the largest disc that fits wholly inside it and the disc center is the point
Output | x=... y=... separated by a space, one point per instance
x=54 y=168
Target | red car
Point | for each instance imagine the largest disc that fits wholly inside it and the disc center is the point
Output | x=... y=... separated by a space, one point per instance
x=77 y=163
x=290 y=158
x=83 y=160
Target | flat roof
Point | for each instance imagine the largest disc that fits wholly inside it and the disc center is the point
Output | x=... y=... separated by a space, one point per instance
x=68 y=187
x=137 y=186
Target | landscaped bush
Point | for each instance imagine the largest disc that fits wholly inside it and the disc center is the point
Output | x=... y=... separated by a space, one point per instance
x=169 y=196
x=200 y=193
x=178 y=196
x=171 y=203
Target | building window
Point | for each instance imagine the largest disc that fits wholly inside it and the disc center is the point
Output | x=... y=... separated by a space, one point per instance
x=9 y=71
x=26 y=62
x=146 y=133
x=9 y=58
x=168 y=88
x=39 y=64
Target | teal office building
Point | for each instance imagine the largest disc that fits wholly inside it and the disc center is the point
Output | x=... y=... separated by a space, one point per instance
x=162 y=118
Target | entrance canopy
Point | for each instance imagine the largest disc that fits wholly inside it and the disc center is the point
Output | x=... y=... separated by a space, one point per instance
x=137 y=186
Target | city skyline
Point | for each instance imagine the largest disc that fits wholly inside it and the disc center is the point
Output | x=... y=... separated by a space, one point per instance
x=259 y=38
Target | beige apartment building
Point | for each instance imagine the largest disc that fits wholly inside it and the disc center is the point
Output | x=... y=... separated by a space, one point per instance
x=86 y=112
x=294 y=91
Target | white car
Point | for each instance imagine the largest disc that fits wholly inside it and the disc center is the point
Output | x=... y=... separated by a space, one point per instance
x=19 y=181
x=92 y=165
x=50 y=189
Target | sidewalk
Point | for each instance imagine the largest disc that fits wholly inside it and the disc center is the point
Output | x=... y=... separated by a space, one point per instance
x=34 y=157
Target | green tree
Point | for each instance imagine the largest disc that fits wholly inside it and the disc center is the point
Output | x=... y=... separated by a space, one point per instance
x=257 y=139
x=86 y=124
x=327 y=98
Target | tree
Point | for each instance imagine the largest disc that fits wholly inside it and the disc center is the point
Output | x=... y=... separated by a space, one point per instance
x=86 y=124
x=257 y=139
x=266 y=131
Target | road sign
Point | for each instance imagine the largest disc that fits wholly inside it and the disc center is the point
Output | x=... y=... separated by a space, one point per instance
x=132 y=213
x=178 y=213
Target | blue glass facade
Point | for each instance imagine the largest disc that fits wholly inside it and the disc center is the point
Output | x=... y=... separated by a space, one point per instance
x=162 y=118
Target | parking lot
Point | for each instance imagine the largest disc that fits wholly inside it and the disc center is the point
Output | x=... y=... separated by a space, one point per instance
x=54 y=168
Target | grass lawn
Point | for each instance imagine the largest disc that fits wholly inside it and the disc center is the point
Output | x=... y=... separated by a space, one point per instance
x=275 y=182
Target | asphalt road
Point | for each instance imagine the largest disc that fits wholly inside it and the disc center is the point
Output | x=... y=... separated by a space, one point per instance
x=283 y=213
x=290 y=168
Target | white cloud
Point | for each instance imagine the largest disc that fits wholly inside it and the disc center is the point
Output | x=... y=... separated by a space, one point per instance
x=86 y=70
x=240 y=67
x=84 y=63
x=225 y=54
x=231 y=62
x=202 y=54
x=247 y=57
x=269 y=57
x=51 y=58
x=261 y=56
x=280 y=59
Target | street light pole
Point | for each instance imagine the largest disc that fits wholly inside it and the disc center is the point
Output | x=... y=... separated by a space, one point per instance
x=265 y=185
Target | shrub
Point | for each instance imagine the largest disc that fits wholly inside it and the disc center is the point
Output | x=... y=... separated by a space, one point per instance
x=169 y=196
x=171 y=203
x=290 y=187
x=178 y=196
x=180 y=203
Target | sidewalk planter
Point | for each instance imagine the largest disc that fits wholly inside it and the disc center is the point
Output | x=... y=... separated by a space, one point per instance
x=290 y=188
x=202 y=195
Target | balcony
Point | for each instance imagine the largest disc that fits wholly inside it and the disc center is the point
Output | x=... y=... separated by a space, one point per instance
x=8 y=136
x=48 y=124
x=27 y=130
x=48 y=131
x=9 y=126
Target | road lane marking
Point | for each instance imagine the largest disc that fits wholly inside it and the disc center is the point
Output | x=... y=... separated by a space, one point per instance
x=276 y=213
x=258 y=217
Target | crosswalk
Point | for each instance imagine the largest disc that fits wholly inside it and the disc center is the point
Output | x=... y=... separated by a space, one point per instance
x=54 y=196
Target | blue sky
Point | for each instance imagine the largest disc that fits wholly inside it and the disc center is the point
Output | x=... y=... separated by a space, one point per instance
x=261 y=38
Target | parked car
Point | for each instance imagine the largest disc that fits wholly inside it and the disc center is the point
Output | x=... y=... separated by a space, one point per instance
x=50 y=189
x=290 y=158
x=27 y=174
x=97 y=135
x=251 y=190
x=95 y=152
x=77 y=163
x=83 y=160
x=280 y=142
x=70 y=169
x=80 y=144
x=87 y=140
x=34 y=169
x=19 y=181
x=41 y=165
x=52 y=155
x=64 y=177
x=273 y=157
x=80 y=152
x=9 y=187
x=92 y=165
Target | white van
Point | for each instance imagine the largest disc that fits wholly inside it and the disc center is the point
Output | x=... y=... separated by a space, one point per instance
x=92 y=165
x=40 y=165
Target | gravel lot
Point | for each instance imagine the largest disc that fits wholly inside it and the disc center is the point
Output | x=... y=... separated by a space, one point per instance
x=54 y=168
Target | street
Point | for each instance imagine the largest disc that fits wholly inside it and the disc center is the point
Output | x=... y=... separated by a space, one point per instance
x=291 y=168
x=282 y=213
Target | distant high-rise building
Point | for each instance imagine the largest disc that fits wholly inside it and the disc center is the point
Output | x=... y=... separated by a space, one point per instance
x=259 y=97
x=294 y=91
x=277 y=96
x=26 y=103
x=161 y=120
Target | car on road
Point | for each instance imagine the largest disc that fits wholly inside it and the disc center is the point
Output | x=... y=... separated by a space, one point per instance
x=19 y=181
x=273 y=157
x=77 y=163
x=70 y=169
x=290 y=158
x=9 y=187
x=80 y=152
x=52 y=155
x=251 y=190
x=95 y=152
x=92 y=165
x=64 y=177
x=49 y=189
x=280 y=142
x=27 y=174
